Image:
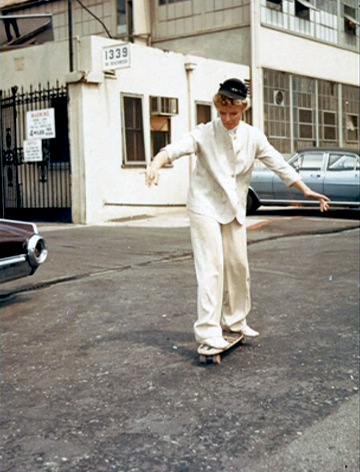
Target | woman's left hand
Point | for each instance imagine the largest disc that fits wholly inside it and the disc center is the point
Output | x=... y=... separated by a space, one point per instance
x=323 y=199
x=308 y=193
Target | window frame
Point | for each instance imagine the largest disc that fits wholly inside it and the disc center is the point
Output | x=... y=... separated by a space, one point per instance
x=350 y=22
x=306 y=123
x=303 y=6
x=341 y=155
x=166 y=134
x=356 y=128
x=300 y=159
x=329 y=126
x=203 y=104
x=125 y=161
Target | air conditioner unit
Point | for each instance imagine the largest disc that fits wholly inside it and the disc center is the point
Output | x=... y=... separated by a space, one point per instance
x=279 y=98
x=164 y=106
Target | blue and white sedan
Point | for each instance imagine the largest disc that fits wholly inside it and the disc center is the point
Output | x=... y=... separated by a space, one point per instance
x=332 y=172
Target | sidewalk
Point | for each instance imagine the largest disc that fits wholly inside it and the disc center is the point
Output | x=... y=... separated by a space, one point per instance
x=165 y=217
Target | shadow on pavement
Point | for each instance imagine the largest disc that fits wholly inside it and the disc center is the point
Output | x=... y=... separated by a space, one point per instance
x=333 y=213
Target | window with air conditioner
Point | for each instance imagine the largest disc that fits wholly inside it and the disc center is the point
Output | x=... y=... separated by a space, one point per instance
x=164 y=106
x=160 y=132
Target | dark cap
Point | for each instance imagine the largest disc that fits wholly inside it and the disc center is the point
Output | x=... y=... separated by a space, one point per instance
x=233 y=88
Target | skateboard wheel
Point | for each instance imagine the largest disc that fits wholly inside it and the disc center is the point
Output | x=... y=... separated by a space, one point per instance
x=217 y=359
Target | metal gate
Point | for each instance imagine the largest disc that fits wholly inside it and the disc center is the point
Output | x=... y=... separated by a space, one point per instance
x=37 y=191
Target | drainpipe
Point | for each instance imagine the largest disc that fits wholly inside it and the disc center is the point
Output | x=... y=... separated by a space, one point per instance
x=190 y=66
x=70 y=37
x=256 y=72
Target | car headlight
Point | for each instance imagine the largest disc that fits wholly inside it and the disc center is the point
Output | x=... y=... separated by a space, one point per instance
x=37 y=250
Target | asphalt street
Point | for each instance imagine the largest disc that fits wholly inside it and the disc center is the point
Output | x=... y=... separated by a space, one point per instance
x=99 y=365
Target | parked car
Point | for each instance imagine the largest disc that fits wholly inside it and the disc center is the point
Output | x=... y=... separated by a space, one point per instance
x=332 y=172
x=22 y=249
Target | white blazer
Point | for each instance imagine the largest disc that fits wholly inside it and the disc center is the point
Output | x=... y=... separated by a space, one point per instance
x=223 y=167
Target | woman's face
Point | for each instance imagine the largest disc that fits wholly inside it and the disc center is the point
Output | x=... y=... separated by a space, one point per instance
x=230 y=115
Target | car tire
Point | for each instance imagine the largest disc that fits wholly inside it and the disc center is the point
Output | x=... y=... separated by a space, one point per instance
x=252 y=203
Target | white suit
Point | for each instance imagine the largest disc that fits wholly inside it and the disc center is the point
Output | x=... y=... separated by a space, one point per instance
x=217 y=209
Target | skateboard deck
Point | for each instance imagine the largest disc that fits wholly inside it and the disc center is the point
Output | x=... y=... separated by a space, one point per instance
x=210 y=354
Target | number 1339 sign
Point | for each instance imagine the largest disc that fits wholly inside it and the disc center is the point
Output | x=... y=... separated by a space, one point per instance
x=116 y=57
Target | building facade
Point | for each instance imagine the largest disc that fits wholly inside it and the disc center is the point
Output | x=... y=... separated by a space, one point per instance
x=304 y=59
x=299 y=58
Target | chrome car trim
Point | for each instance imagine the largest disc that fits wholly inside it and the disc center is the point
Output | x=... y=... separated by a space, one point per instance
x=33 y=225
x=37 y=250
x=10 y=261
x=306 y=202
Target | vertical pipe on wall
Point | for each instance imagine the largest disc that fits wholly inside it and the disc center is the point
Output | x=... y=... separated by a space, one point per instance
x=190 y=66
x=70 y=35
x=340 y=117
x=256 y=71
x=292 y=144
x=317 y=111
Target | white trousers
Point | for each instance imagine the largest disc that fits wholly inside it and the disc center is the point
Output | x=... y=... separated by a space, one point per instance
x=222 y=273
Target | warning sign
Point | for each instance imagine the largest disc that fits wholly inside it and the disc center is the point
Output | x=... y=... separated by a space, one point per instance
x=40 y=124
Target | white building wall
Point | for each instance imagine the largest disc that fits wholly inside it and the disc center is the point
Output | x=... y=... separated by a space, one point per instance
x=305 y=57
x=297 y=55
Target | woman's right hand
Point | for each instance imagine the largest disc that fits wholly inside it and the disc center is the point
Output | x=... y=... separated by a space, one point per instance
x=152 y=171
x=151 y=176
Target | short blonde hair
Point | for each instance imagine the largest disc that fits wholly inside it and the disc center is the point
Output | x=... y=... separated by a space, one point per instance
x=220 y=99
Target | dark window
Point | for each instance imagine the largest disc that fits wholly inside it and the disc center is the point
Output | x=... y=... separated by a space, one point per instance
x=59 y=146
x=305 y=123
x=160 y=133
x=350 y=23
x=203 y=113
x=165 y=2
x=134 y=130
x=302 y=9
x=329 y=125
x=352 y=128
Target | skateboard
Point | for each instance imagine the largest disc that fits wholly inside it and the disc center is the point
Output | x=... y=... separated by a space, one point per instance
x=211 y=354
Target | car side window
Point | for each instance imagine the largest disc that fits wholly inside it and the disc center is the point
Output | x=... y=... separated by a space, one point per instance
x=310 y=161
x=342 y=162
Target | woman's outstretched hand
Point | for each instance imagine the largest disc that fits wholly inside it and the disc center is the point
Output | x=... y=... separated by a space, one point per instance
x=151 y=176
x=308 y=193
x=323 y=199
x=152 y=171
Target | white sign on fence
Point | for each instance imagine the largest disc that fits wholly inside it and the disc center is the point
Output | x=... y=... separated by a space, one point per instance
x=116 y=57
x=40 y=124
x=33 y=150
